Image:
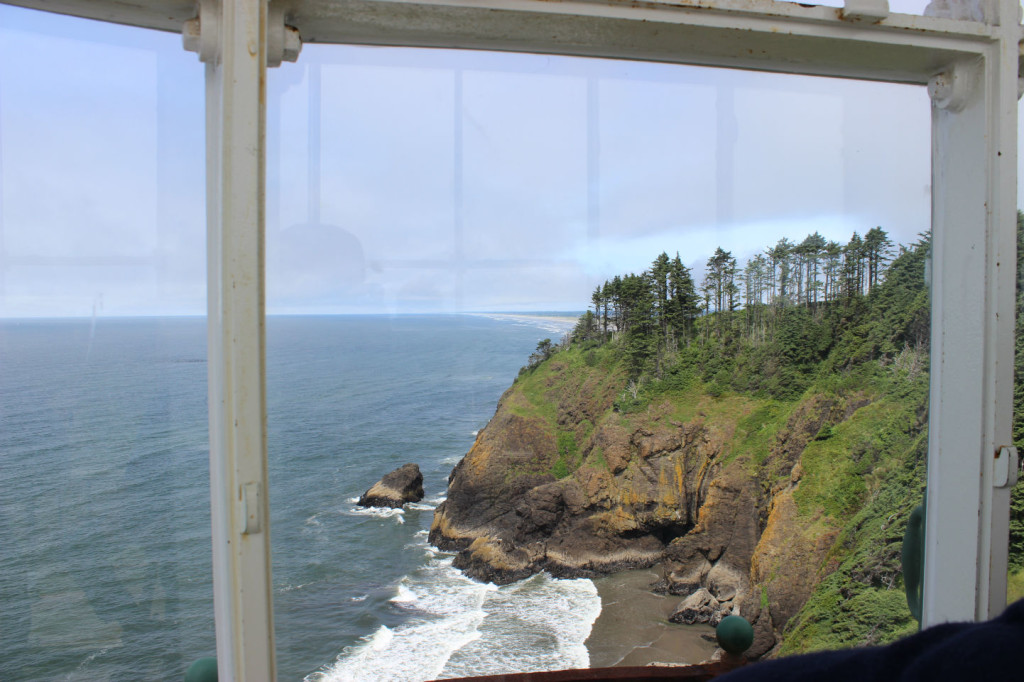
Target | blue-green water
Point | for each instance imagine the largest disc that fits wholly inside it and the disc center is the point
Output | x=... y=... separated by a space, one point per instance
x=104 y=501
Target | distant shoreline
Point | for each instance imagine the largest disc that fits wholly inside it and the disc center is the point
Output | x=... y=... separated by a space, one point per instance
x=530 y=317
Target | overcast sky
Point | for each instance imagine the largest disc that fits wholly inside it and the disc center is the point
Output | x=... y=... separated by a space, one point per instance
x=441 y=180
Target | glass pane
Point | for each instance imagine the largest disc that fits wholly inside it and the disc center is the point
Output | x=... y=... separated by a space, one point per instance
x=741 y=429
x=104 y=496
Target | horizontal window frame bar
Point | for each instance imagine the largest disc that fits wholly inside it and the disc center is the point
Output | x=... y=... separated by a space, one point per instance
x=760 y=35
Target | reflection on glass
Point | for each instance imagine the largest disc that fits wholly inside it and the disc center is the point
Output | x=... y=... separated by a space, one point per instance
x=104 y=495
x=747 y=387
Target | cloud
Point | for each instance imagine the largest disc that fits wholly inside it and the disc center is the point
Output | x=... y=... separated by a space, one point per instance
x=447 y=179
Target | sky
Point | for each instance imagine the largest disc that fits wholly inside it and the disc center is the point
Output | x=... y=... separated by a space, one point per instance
x=409 y=181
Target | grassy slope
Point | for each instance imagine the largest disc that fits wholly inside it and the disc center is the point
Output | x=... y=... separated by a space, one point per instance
x=869 y=476
x=861 y=477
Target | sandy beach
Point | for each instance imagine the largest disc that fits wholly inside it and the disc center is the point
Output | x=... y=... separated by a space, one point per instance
x=633 y=628
x=567 y=320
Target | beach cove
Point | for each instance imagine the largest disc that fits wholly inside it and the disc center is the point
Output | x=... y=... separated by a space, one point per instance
x=633 y=627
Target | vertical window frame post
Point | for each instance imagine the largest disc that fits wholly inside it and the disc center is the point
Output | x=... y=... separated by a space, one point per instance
x=974 y=197
x=233 y=36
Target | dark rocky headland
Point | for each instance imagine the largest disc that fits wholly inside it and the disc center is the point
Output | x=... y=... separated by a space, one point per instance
x=674 y=484
x=768 y=461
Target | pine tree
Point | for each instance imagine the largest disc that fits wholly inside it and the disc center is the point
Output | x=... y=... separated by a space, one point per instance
x=659 y=274
x=812 y=248
x=779 y=256
x=877 y=252
x=853 y=266
x=684 y=304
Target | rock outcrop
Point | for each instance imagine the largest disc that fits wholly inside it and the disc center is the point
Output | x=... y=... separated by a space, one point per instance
x=589 y=490
x=699 y=607
x=510 y=515
x=404 y=484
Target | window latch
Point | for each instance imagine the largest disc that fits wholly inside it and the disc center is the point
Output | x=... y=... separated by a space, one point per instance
x=1007 y=467
x=252 y=508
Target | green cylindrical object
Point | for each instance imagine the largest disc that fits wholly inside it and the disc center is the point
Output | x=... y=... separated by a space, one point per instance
x=913 y=561
x=734 y=634
x=203 y=670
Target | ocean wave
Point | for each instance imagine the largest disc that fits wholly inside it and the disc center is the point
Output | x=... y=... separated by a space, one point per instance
x=448 y=615
x=404 y=596
x=410 y=654
x=461 y=628
x=380 y=512
x=312 y=526
x=537 y=624
x=421 y=506
x=290 y=588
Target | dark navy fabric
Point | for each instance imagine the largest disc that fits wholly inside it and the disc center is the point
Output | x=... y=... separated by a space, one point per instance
x=993 y=650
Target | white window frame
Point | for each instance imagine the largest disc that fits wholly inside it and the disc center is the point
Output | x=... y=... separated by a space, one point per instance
x=970 y=65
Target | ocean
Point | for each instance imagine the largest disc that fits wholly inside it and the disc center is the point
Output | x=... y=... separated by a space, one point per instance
x=104 y=501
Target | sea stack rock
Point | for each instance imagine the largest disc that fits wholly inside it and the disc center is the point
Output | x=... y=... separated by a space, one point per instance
x=404 y=484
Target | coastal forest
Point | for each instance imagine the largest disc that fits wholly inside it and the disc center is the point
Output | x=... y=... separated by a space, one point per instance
x=759 y=435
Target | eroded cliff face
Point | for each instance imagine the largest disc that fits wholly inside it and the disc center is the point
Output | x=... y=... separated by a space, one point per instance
x=560 y=481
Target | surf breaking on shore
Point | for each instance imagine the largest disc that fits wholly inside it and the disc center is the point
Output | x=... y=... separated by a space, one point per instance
x=459 y=627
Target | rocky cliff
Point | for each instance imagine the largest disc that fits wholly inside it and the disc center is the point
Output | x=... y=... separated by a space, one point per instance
x=745 y=502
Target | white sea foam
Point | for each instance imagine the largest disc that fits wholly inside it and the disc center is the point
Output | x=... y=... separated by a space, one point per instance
x=312 y=527
x=460 y=628
x=380 y=512
x=536 y=624
x=289 y=588
x=421 y=506
x=405 y=595
x=448 y=613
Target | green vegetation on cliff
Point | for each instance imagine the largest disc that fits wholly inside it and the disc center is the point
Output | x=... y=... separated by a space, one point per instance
x=822 y=328
x=762 y=436
x=810 y=336
x=1015 y=588
x=858 y=329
